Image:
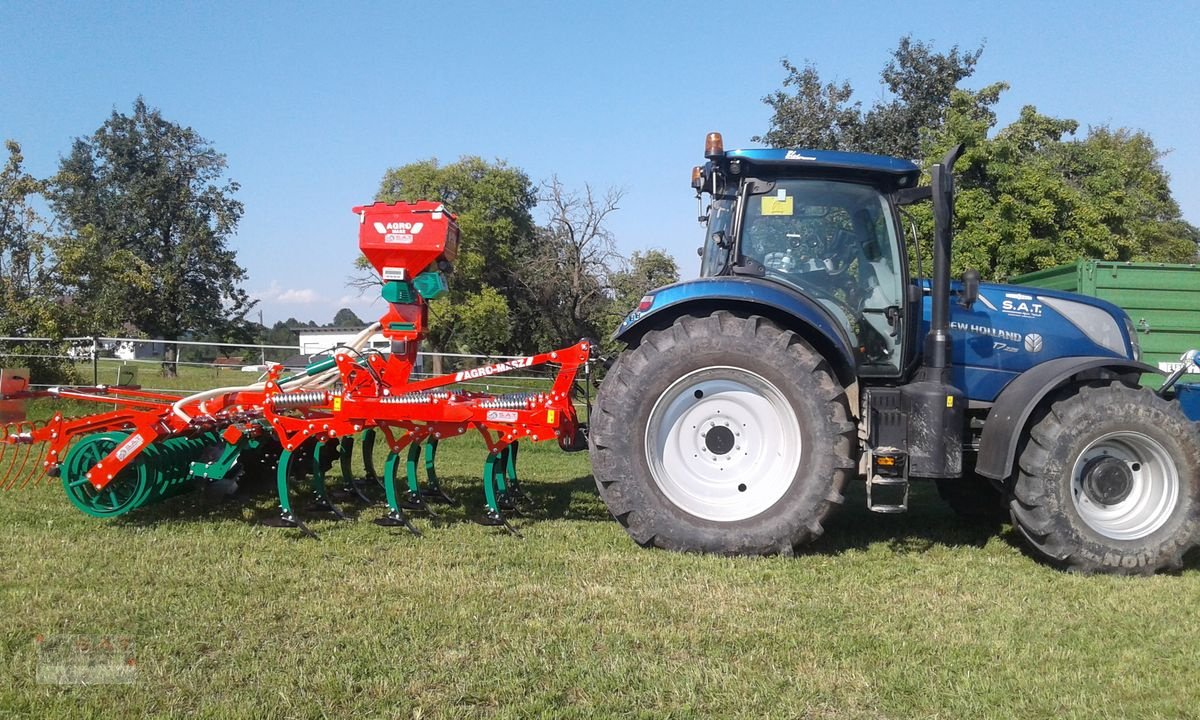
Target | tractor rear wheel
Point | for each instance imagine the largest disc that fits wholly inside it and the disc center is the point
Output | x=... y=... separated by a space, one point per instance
x=1109 y=481
x=722 y=434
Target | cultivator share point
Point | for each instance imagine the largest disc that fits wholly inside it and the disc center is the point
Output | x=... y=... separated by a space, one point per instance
x=154 y=445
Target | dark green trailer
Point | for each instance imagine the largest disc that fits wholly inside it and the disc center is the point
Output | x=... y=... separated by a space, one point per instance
x=1162 y=299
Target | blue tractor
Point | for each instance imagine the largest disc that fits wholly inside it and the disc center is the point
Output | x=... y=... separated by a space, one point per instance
x=809 y=354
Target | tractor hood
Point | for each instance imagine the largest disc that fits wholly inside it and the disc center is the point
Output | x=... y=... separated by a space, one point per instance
x=1012 y=328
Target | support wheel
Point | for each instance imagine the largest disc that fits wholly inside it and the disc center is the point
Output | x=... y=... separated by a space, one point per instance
x=722 y=434
x=1109 y=481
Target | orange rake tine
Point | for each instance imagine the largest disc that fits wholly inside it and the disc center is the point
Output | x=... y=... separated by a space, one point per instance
x=18 y=462
x=7 y=456
x=31 y=476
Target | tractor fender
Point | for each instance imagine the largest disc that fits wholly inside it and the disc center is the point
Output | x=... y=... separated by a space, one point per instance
x=1006 y=422
x=786 y=307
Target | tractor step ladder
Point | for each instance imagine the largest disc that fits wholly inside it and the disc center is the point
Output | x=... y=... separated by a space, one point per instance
x=893 y=481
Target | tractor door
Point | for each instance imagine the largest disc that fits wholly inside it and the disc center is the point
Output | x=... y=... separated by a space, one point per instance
x=836 y=242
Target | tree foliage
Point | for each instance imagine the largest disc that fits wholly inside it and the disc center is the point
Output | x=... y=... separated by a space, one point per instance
x=346 y=318
x=493 y=202
x=147 y=216
x=574 y=256
x=644 y=271
x=29 y=292
x=1030 y=195
x=824 y=116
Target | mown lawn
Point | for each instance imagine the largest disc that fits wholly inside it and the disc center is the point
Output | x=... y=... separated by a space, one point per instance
x=919 y=615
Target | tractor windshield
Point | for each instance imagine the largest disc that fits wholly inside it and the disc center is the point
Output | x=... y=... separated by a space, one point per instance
x=835 y=242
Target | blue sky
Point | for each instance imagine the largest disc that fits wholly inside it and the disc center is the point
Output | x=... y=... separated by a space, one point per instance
x=313 y=102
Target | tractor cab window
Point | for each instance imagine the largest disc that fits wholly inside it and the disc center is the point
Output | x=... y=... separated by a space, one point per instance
x=718 y=240
x=836 y=243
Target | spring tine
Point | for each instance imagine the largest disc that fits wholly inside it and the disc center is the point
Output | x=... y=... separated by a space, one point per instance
x=33 y=450
x=11 y=457
x=28 y=452
x=5 y=459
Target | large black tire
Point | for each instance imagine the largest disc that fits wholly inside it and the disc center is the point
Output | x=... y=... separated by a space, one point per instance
x=659 y=453
x=1109 y=481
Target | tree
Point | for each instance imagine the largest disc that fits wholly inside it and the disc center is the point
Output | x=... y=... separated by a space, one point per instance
x=816 y=116
x=147 y=217
x=920 y=82
x=574 y=257
x=1032 y=197
x=346 y=318
x=487 y=301
x=822 y=116
x=643 y=272
x=29 y=295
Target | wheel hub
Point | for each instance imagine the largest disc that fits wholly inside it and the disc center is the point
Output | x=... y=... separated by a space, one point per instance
x=1107 y=480
x=1125 y=485
x=719 y=440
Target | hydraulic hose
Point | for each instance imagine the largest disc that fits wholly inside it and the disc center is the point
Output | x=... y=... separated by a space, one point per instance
x=296 y=383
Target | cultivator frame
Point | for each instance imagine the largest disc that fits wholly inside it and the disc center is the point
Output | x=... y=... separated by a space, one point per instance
x=153 y=445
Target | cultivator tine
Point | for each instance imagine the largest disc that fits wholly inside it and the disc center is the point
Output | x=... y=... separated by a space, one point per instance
x=493 y=492
x=413 y=499
x=288 y=520
x=368 y=454
x=395 y=516
x=514 y=484
x=322 y=460
x=286 y=517
x=433 y=492
x=345 y=460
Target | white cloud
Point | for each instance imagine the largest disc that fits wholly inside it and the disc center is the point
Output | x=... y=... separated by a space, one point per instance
x=295 y=296
x=305 y=296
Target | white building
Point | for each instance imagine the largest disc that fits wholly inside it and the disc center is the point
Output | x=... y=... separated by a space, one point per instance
x=317 y=340
x=320 y=339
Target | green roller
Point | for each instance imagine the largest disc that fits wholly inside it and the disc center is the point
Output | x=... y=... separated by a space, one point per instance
x=128 y=490
x=159 y=471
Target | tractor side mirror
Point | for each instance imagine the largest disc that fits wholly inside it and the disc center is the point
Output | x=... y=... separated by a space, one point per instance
x=970 y=288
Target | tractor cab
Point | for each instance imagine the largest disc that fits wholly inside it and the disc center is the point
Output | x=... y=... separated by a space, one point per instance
x=821 y=224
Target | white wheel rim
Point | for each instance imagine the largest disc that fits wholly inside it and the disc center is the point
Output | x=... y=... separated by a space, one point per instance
x=1153 y=487
x=723 y=444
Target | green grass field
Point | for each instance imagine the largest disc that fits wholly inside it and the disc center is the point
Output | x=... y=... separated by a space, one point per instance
x=917 y=615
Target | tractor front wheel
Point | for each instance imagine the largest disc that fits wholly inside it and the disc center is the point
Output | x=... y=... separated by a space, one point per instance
x=722 y=434
x=1109 y=481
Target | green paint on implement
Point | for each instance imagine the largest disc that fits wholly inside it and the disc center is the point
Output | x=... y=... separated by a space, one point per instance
x=399 y=292
x=159 y=471
x=389 y=481
x=430 y=284
x=281 y=481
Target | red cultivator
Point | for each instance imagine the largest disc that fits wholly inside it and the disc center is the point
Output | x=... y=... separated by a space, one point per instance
x=154 y=445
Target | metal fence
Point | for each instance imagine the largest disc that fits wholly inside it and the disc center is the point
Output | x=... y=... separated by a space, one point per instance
x=194 y=365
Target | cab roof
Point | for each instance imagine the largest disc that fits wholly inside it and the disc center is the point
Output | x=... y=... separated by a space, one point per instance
x=889 y=170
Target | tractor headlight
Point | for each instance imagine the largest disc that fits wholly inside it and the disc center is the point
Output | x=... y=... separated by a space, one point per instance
x=1133 y=338
x=1097 y=323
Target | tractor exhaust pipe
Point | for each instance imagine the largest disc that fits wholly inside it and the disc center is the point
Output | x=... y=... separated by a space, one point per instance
x=933 y=405
x=937 y=344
